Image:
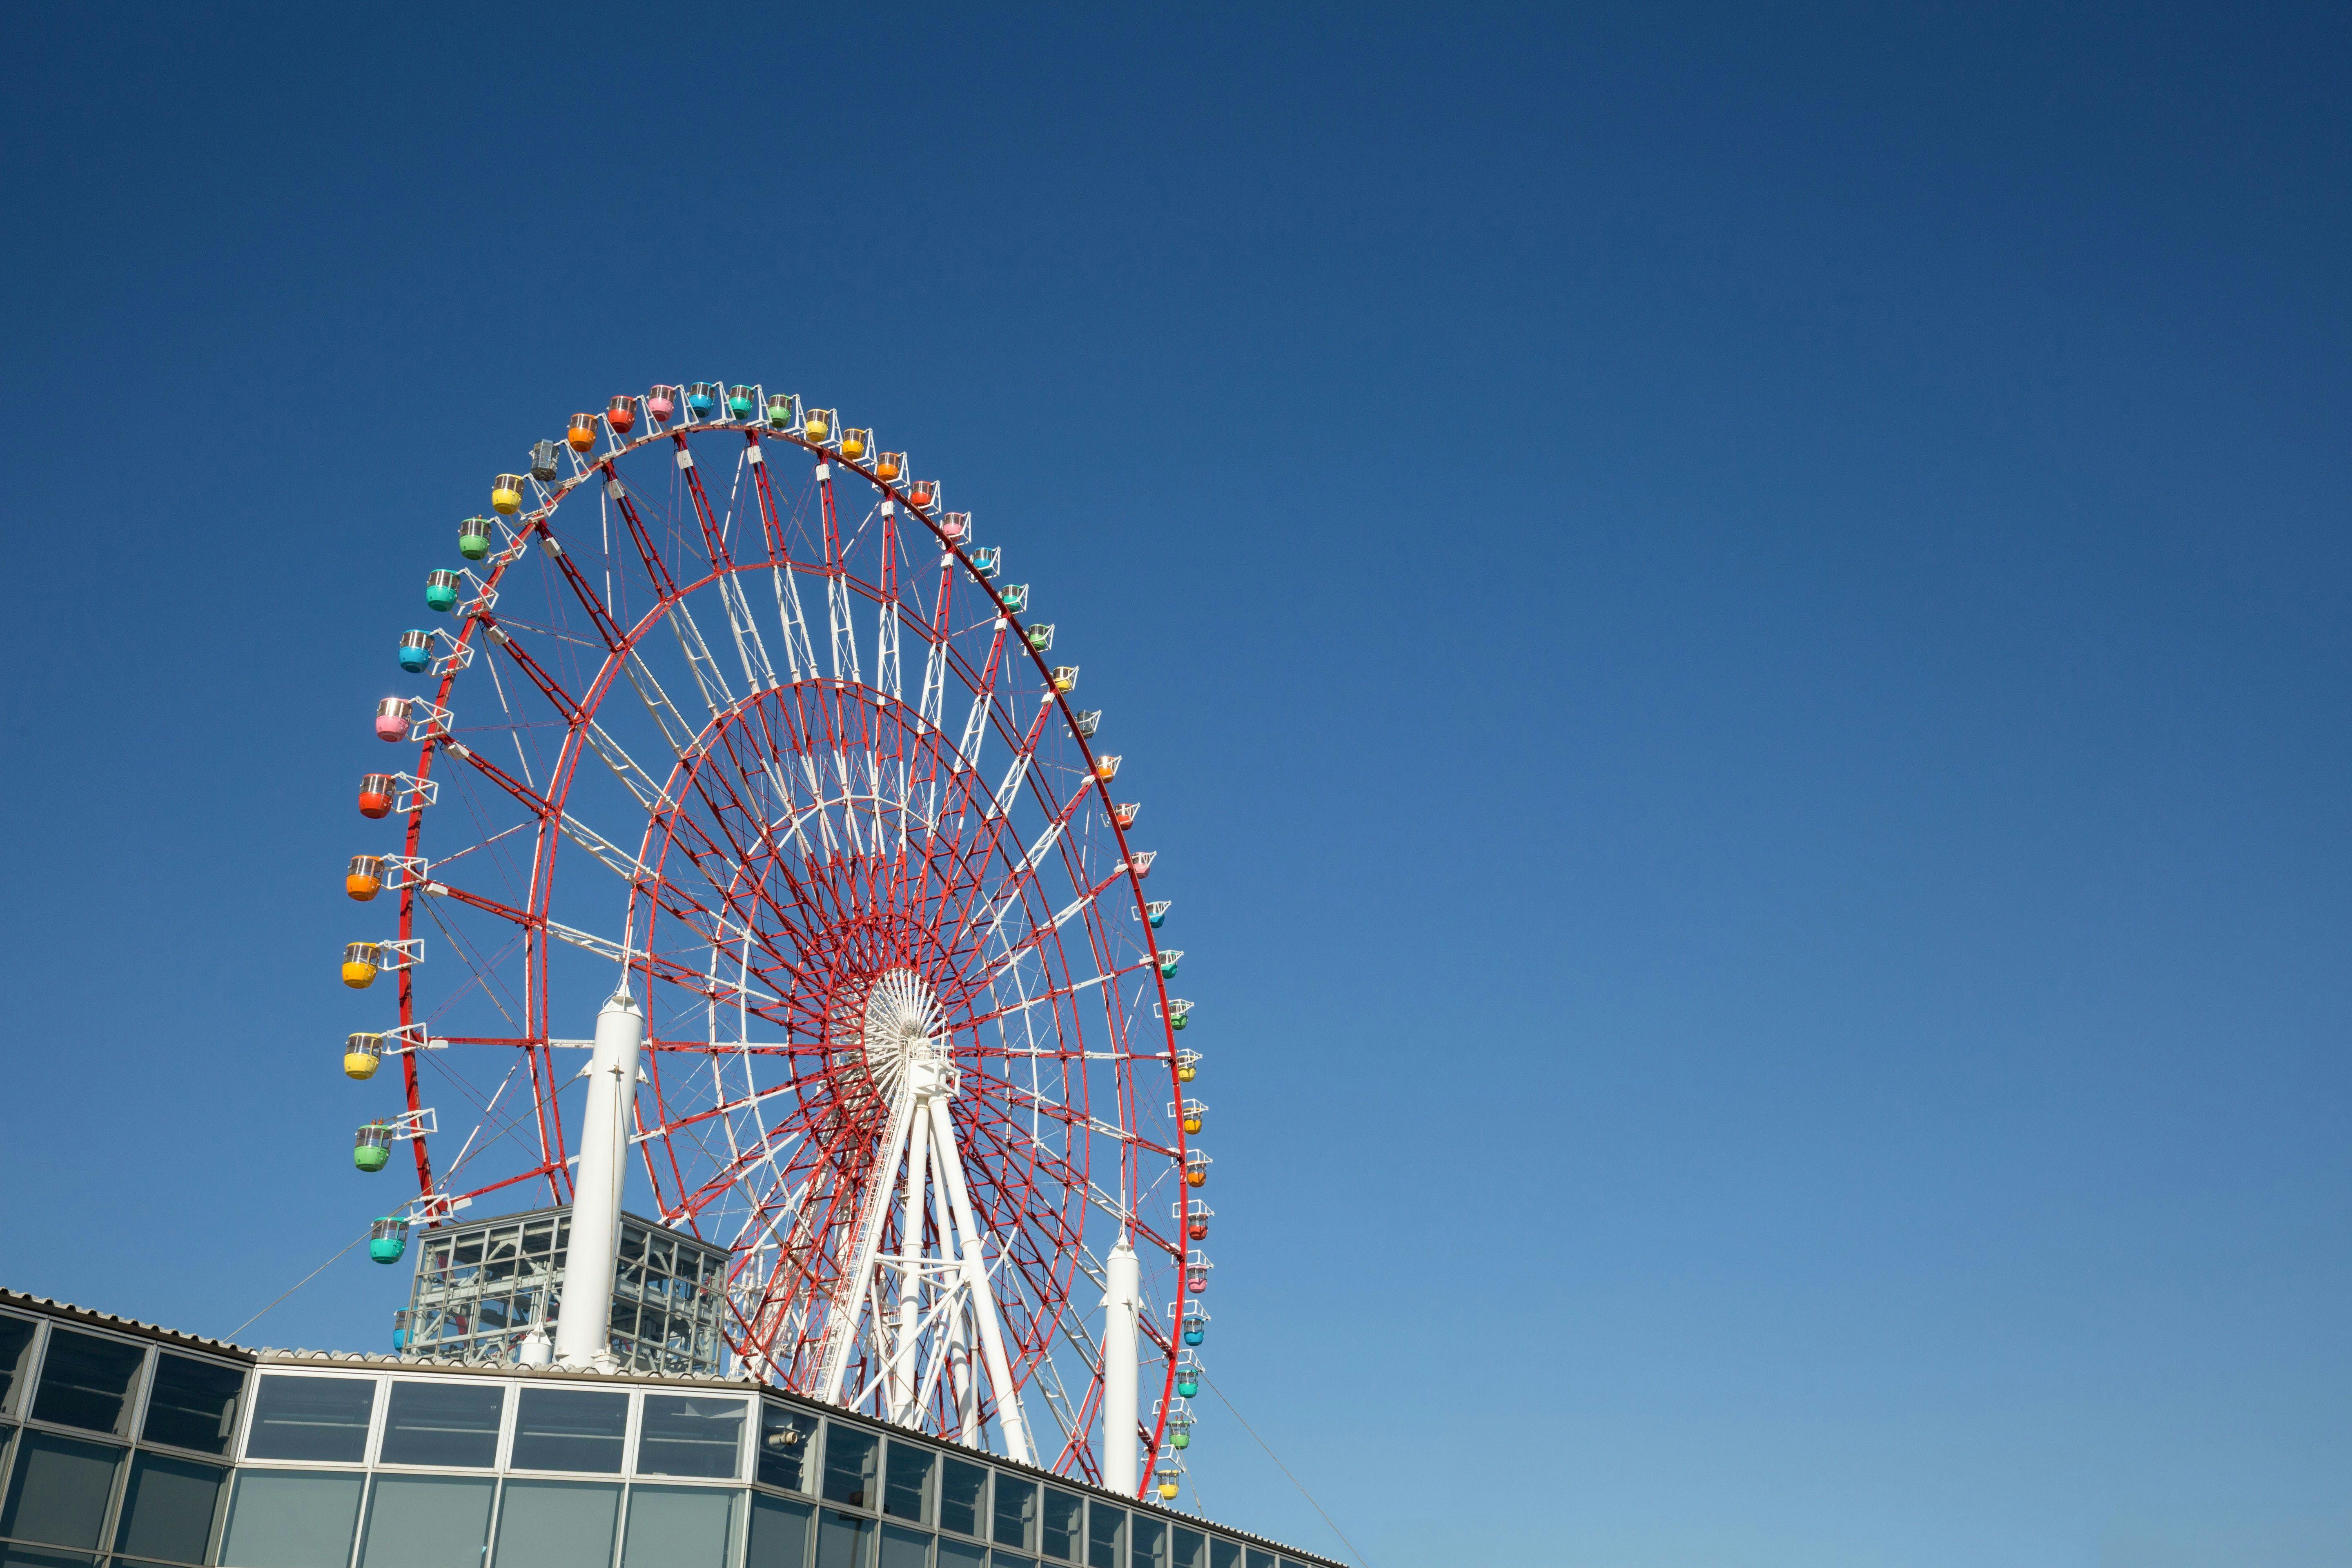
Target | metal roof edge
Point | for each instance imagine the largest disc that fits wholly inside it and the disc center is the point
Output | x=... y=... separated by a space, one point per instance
x=50 y=1307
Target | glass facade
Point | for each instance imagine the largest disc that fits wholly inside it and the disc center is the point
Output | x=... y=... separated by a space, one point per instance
x=112 y=1448
x=119 y=1452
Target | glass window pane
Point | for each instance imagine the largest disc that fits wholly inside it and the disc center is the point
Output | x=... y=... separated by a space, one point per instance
x=13 y=1556
x=780 y=1534
x=956 y=1553
x=1256 y=1559
x=1016 y=1512
x=787 y=1440
x=904 y=1548
x=1223 y=1553
x=59 y=1491
x=1063 y=1513
x=1191 y=1548
x=686 y=1435
x=844 y=1539
x=557 y=1524
x=678 y=1527
x=569 y=1429
x=16 y=1344
x=320 y=1418
x=86 y=1381
x=906 y=1484
x=193 y=1404
x=1006 y=1560
x=167 y=1514
x=963 y=1497
x=453 y=1424
x=1149 y=1547
x=292 y=1519
x=427 y=1522
x=849 y=1463
x=1104 y=1527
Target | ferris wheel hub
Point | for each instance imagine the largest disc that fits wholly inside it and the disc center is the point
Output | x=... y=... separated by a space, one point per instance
x=899 y=1031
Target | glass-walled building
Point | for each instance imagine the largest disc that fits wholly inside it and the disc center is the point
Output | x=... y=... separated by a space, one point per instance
x=482 y=1287
x=128 y=1445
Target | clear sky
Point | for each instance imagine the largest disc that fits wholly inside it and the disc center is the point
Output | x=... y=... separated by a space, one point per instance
x=1733 y=628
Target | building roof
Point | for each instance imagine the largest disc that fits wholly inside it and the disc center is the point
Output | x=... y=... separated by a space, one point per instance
x=52 y=1307
x=67 y=1312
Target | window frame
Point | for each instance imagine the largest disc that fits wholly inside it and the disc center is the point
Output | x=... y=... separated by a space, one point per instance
x=745 y=1440
x=227 y=1469
x=1077 y=1558
x=11 y=1412
x=366 y=1519
x=811 y=1462
x=620 y=1473
x=230 y=1496
x=1119 y=1550
x=872 y=1508
x=984 y=1517
x=368 y=1447
x=569 y=1477
x=109 y=1513
x=927 y=1507
x=381 y=1425
x=228 y=1455
x=1033 y=1547
x=739 y=1513
x=134 y=1405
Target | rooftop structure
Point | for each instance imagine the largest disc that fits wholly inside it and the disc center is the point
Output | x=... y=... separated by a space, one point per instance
x=483 y=1286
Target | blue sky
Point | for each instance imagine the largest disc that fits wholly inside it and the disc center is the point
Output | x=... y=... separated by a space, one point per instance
x=1732 y=625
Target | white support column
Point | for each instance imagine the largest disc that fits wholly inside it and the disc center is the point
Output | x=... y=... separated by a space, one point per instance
x=904 y=1373
x=964 y=1379
x=983 y=1299
x=1121 y=1458
x=582 y=1337
x=841 y=1324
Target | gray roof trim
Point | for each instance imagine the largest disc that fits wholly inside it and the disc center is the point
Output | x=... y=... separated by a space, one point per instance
x=24 y=1301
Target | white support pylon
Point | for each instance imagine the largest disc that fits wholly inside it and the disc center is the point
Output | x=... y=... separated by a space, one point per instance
x=961 y=1379
x=582 y=1336
x=1122 y=1463
x=855 y=1288
x=904 y=1374
x=983 y=1299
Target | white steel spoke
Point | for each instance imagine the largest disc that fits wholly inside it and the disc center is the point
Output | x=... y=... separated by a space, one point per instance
x=800 y=656
x=713 y=685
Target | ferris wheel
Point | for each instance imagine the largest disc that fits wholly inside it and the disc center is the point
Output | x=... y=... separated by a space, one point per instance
x=728 y=742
